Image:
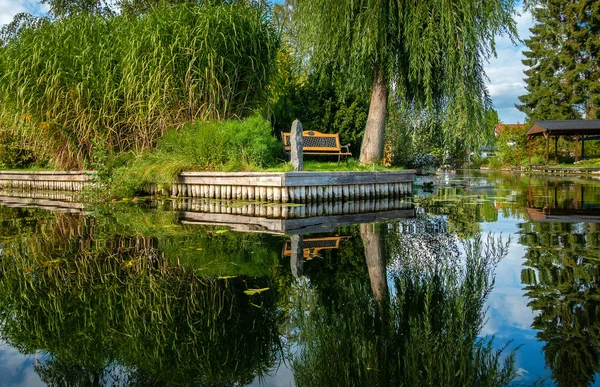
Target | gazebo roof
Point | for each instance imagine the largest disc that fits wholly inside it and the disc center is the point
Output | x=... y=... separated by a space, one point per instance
x=564 y=127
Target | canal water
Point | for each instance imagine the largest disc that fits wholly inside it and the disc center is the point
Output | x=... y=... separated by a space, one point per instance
x=479 y=279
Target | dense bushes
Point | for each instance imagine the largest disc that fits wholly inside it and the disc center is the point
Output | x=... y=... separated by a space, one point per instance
x=226 y=146
x=315 y=100
x=124 y=80
x=13 y=152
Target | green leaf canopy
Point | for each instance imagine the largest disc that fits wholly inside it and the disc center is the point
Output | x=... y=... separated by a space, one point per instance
x=430 y=53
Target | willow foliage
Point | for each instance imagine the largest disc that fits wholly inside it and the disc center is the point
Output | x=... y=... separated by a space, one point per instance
x=429 y=53
x=90 y=82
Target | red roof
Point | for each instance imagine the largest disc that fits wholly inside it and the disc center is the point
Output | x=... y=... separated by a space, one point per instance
x=498 y=128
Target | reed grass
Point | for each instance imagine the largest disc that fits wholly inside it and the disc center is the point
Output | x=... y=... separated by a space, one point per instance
x=88 y=83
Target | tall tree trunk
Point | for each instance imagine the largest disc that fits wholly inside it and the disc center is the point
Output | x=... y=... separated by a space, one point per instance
x=372 y=144
x=297 y=256
x=375 y=262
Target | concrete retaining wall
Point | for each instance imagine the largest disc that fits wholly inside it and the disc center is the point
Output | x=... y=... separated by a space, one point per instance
x=272 y=187
x=291 y=187
x=52 y=181
x=286 y=219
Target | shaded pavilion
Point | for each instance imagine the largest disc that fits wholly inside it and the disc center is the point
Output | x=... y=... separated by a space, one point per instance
x=580 y=130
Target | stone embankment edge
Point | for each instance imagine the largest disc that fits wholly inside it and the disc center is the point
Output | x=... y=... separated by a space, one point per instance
x=275 y=187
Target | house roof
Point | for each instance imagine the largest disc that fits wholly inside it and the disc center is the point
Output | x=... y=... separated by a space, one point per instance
x=563 y=215
x=499 y=128
x=564 y=127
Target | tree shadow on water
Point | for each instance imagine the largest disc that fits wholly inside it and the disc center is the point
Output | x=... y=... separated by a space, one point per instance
x=116 y=312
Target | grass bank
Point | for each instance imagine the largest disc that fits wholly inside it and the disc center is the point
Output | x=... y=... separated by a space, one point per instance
x=233 y=145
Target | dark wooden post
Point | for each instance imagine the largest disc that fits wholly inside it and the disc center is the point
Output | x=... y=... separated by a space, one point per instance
x=529 y=148
x=547 y=137
x=582 y=148
x=555 y=149
x=576 y=148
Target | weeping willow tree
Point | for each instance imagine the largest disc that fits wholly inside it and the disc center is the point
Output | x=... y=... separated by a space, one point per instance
x=428 y=55
x=86 y=84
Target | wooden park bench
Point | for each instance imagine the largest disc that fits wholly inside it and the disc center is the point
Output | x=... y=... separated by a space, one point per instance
x=313 y=246
x=318 y=144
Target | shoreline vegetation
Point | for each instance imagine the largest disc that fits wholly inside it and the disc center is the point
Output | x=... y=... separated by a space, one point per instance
x=144 y=76
x=233 y=145
x=122 y=82
x=217 y=146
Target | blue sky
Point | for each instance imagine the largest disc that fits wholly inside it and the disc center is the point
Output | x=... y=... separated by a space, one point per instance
x=9 y=8
x=505 y=72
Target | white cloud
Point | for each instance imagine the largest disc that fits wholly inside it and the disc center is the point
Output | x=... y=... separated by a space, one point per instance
x=506 y=72
x=508 y=310
x=9 y=8
x=16 y=369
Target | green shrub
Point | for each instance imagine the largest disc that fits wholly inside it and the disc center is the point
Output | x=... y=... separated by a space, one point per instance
x=225 y=145
x=495 y=163
x=214 y=146
x=13 y=152
x=315 y=101
x=423 y=160
x=535 y=160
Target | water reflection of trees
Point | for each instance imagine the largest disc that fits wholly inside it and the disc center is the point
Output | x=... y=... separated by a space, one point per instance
x=562 y=281
x=134 y=298
x=109 y=307
x=464 y=211
x=421 y=331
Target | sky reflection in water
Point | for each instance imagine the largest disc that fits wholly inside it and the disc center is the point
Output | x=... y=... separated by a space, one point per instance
x=547 y=255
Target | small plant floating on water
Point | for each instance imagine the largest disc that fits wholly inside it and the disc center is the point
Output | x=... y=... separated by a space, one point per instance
x=252 y=292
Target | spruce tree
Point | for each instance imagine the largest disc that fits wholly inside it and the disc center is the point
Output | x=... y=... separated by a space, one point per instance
x=583 y=49
x=563 y=75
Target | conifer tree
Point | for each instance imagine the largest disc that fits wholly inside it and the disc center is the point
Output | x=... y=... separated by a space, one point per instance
x=563 y=75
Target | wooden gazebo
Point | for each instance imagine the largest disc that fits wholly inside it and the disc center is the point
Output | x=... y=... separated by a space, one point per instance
x=580 y=130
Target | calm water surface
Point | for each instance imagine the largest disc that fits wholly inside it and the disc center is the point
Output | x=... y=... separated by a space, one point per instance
x=480 y=279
